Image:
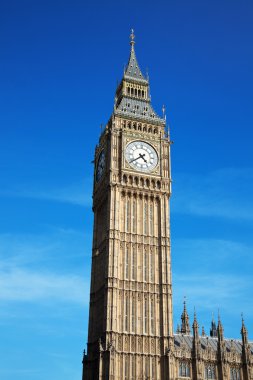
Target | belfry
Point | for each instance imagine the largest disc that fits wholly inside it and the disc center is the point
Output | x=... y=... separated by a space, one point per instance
x=130 y=333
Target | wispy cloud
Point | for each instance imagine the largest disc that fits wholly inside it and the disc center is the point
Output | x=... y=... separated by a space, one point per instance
x=225 y=193
x=44 y=268
x=26 y=285
x=77 y=193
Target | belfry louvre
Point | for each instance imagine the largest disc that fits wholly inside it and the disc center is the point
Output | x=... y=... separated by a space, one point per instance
x=130 y=333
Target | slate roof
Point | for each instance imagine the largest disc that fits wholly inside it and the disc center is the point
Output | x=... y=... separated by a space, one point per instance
x=133 y=70
x=183 y=339
x=137 y=108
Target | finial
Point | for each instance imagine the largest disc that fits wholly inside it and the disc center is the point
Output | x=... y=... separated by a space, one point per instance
x=132 y=37
x=163 y=111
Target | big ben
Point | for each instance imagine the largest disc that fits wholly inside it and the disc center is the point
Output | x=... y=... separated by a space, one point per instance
x=130 y=317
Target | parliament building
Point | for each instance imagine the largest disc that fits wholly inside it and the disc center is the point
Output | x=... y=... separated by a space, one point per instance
x=131 y=333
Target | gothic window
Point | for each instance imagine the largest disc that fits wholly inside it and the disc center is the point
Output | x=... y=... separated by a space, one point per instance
x=126 y=368
x=128 y=90
x=146 y=368
x=134 y=259
x=133 y=370
x=145 y=315
x=235 y=373
x=145 y=267
x=153 y=369
x=210 y=372
x=127 y=263
x=151 y=221
x=184 y=369
x=128 y=215
x=133 y=314
x=145 y=218
x=126 y=313
x=134 y=217
x=152 y=316
x=151 y=263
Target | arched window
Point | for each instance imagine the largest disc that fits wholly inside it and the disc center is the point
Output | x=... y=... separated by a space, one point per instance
x=235 y=373
x=153 y=369
x=210 y=372
x=184 y=369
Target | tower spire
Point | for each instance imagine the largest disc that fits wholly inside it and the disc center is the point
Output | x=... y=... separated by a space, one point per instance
x=185 y=325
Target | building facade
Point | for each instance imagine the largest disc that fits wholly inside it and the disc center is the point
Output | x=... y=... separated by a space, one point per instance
x=130 y=333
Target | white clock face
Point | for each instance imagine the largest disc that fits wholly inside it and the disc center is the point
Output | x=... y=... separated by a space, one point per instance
x=141 y=156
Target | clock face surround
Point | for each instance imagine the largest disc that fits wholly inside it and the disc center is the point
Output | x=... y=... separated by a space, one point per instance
x=141 y=156
x=100 y=166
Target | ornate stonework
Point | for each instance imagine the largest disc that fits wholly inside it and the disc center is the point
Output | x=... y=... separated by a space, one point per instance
x=130 y=319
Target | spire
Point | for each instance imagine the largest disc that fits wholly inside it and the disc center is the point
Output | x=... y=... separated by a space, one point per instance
x=213 y=329
x=195 y=326
x=219 y=329
x=244 y=333
x=133 y=70
x=185 y=326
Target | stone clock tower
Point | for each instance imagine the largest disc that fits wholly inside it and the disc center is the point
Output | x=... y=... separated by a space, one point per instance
x=130 y=318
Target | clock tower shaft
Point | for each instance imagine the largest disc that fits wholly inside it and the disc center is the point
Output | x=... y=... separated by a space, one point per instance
x=130 y=318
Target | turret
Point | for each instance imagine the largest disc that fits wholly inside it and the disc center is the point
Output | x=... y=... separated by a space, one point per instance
x=185 y=325
x=213 y=329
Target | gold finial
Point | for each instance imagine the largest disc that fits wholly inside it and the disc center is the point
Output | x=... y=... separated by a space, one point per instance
x=132 y=37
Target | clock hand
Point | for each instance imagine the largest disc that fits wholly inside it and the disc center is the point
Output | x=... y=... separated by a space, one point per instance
x=137 y=158
x=142 y=156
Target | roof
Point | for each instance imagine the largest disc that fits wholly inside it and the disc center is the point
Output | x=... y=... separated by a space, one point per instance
x=230 y=344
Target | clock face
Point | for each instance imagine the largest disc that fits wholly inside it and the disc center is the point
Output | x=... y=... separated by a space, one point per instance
x=141 y=156
x=100 y=166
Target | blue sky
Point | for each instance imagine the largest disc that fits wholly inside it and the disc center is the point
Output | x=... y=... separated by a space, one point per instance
x=59 y=66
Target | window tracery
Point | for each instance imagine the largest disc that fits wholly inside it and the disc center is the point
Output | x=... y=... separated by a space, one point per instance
x=184 y=369
x=210 y=372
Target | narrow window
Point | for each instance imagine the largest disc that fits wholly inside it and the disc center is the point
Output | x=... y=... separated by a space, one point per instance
x=127 y=263
x=128 y=216
x=133 y=314
x=145 y=218
x=126 y=368
x=145 y=268
x=145 y=315
x=184 y=369
x=210 y=372
x=126 y=313
x=134 y=258
x=151 y=221
x=147 y=368
x=134 y=217
x=133 y=377
x=153 y=369
x=152 y=319
x=235 y=373
x=151 y=263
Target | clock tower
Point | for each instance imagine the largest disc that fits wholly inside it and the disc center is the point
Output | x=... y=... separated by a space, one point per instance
x=130 y=317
